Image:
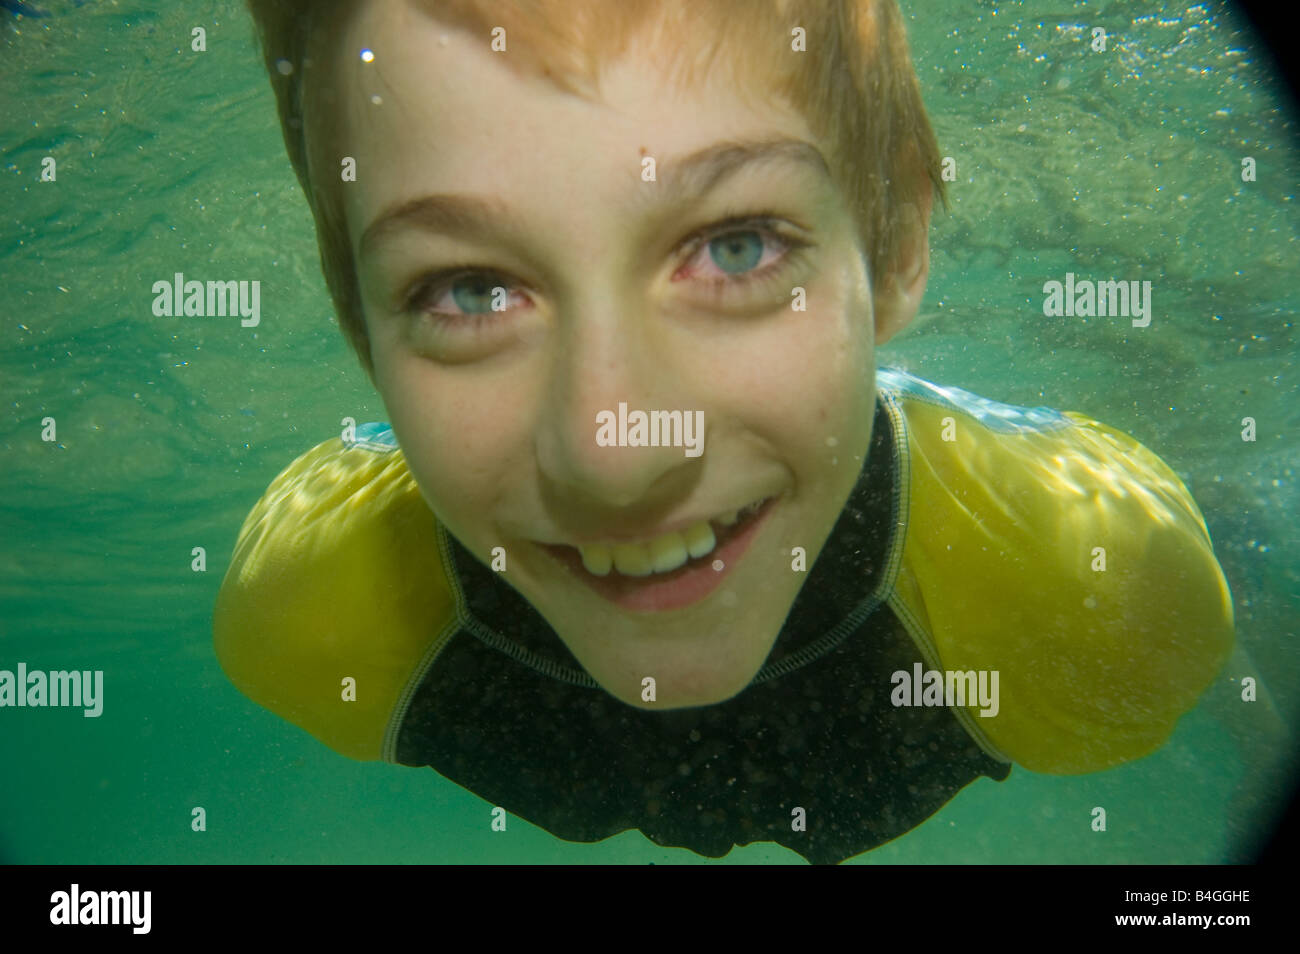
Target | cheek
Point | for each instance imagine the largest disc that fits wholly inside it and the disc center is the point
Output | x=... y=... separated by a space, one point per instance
x=455 y=432
x=818 y=375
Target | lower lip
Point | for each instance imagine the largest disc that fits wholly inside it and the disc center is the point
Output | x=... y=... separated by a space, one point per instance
x=660 y=592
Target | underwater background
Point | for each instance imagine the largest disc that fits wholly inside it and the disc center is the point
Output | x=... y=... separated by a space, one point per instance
x=1124 y=164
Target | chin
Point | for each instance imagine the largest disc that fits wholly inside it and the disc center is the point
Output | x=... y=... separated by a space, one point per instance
x=687 y=690
x=667 y=702
x=694 y=661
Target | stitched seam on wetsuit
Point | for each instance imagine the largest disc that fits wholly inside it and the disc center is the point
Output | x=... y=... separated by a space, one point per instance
x=920 y=636
x=902 y=494
x=490 y=637
x=893 y=562
x=821 y=646
x=403 y=706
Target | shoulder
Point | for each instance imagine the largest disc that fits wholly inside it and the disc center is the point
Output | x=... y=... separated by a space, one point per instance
x=1071 y=559
x=336 y=574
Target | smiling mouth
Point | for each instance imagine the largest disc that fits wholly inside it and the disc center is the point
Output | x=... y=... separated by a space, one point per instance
x=669 y=551
x=671 y=571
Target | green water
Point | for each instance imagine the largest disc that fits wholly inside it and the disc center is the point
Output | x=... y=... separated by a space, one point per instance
x=1124 y=164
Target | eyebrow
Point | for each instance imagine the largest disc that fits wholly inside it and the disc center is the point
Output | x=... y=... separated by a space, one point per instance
x=683 y=180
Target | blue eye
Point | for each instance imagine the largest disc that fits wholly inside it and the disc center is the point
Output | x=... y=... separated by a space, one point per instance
x=736 y=252
x=473 y=294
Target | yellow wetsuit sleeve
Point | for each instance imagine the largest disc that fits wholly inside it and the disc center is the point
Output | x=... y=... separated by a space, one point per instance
x=1075 y=564
x=336 y=575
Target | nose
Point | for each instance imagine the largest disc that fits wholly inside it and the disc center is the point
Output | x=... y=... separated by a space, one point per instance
x=606 y=356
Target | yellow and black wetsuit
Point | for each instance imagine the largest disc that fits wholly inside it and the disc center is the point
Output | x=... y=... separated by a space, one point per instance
x=972 y=541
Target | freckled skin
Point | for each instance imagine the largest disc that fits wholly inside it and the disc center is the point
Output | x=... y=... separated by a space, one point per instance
x=502 y=442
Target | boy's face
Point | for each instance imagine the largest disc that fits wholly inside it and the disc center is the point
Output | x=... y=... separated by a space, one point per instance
x=618 y=291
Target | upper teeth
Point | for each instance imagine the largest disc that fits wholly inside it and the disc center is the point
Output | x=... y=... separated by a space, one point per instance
x=662 y=554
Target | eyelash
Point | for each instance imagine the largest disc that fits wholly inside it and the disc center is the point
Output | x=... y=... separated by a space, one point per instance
x=767 y=224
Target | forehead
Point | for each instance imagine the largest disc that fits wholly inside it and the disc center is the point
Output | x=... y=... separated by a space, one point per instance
x=433 y=103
